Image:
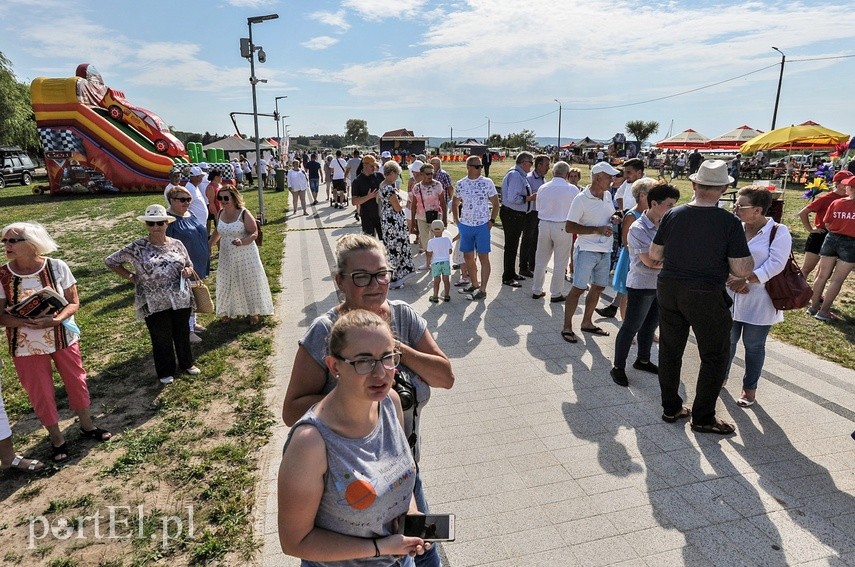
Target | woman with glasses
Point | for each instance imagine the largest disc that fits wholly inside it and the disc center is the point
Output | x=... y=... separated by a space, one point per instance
x=37 y=341
x=194 y=236
x=393 y=225
x=163 y=298
x=347 y=474
x=362 y=274
x=752 y=310
x=242 y=288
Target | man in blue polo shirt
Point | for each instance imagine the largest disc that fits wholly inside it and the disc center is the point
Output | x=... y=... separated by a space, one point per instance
x=517 y=200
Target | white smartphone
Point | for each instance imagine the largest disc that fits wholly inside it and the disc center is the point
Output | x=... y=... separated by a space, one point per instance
x=430 y=527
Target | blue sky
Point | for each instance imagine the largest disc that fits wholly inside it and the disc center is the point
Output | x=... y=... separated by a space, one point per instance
x=430 y=66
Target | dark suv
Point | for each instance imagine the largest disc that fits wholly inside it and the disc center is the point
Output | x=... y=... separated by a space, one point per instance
x=16 y=166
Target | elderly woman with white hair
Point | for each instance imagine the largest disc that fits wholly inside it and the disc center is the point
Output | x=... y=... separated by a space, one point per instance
x=49 y=337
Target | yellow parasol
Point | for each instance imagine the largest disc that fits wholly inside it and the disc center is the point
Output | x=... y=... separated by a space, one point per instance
x=808 y=135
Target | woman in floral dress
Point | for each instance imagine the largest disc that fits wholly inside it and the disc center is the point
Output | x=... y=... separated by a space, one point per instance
x=394 y=226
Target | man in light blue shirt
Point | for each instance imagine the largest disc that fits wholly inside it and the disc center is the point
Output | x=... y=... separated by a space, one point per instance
x=517 y=200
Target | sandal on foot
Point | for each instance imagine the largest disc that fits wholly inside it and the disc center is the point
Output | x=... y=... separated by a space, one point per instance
x=20 y=464
x=718 y=426
x=569 y=336
x=682 y=414
x=744 y=402
x=60 y=454
x=433 y=299
x=468 y=289
x=446 y=298
x=478 y=294
x=97 y=434
x=595 y=331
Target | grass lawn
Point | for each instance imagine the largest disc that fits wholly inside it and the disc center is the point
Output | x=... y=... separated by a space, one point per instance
x=192 y=443
x=831 y=341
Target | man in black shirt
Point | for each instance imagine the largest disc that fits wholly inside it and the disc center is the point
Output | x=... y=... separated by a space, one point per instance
x=364 y=195
x=699 y=245
x=314 y=170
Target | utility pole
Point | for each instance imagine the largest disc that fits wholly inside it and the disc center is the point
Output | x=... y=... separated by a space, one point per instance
x=559 y=123
x=488 y=129
x=277 y=118
x=780 y=79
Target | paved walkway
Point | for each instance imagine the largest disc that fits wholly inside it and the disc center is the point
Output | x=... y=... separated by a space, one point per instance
x=546 y=462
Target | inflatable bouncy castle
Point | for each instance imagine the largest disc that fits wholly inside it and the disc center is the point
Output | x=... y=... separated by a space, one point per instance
x=94 y=140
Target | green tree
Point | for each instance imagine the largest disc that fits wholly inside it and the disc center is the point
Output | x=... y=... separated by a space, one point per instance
x=356 y=131
x=524 y=139
x=494 y=140
x=17 y=121
x=641 y=130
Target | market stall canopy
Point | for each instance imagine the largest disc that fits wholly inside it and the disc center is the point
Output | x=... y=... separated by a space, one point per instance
x=735 y=138
x=808 y=135
x=685 y=140
x=588 y=142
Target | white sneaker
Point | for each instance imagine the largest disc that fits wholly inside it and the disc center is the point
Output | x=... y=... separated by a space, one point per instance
x=167 y=380
x=193 y=371
x=194 y=338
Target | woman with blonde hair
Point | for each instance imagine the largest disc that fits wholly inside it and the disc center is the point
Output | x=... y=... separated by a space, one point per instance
x=242 y=288
x=36 y=344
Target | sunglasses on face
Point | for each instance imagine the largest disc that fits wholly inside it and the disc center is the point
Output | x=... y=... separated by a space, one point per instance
x=182 y=199
x=224 y=198
x=363 y=279
x=12 y=240
x=156 y=223
x=365 y=366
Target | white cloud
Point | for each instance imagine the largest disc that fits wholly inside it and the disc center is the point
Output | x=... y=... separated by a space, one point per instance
x=320 y=42
x=250 y=3
x=77 y=39
x=335 y=19
x=378 y=9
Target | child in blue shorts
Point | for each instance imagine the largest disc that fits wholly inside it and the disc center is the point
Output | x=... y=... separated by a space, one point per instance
x=439 y=246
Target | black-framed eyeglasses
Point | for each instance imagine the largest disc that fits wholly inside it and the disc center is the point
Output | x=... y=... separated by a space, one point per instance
x=365 y=366
x=363 y=279
x=12 y=240
x=155 y=223
x=736 y=207
x=224 y=198
x=182 y=199
x=479 y=166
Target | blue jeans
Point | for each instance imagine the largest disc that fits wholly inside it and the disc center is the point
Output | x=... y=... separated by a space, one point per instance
x=642 y=317
x=314 y=185
x=754 y=341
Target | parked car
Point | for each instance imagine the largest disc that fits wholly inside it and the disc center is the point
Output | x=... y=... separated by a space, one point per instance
x=17 y=167
x=145 y=121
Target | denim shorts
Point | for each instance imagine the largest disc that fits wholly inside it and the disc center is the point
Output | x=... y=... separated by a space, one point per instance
x=474 y=238
x=441 y=268
x=839 y=245
x=591 y=268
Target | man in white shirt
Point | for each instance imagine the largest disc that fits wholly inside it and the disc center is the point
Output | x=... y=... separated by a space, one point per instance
x=633 y=170
x=199 y=205
x=553 y=204
x=174 y=179
x=338 y=166
x=590 y=217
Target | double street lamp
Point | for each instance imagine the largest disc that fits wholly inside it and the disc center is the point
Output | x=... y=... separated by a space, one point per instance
x=248 y=50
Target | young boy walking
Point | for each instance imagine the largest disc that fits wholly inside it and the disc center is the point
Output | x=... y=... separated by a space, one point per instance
x=439 y=246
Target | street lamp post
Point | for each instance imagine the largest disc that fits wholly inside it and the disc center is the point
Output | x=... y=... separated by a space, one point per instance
x=559 y=123
x=780 y=79
x=277 y=117
x=487 y=141
x=248 y=50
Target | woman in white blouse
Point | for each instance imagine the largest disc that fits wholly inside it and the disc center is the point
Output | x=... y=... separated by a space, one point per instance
x=753 y=312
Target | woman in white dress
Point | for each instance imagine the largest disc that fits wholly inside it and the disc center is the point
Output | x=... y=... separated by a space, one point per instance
x=241 y=282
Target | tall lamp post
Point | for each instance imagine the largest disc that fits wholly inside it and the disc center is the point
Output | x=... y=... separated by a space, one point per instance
x=780 y=79
x=559 y=123
x=247 y=50
x=487 y=141
x=277 y=118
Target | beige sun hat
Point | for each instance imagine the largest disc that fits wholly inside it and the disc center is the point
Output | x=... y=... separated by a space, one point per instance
x=713 y=172
x=155 y=213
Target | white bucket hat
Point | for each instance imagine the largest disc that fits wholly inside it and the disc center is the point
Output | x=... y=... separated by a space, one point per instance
x=155 y=213
x=712 y=172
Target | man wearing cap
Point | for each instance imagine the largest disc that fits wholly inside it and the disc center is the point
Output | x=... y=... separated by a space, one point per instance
x=816 y=233
x=474 y=220
x=199 y=205
x=700 y=245
x=364 y=195
x=591 y=217
x=517 y=200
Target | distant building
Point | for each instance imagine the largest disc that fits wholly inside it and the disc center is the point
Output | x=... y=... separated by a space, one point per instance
x=402 y=140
